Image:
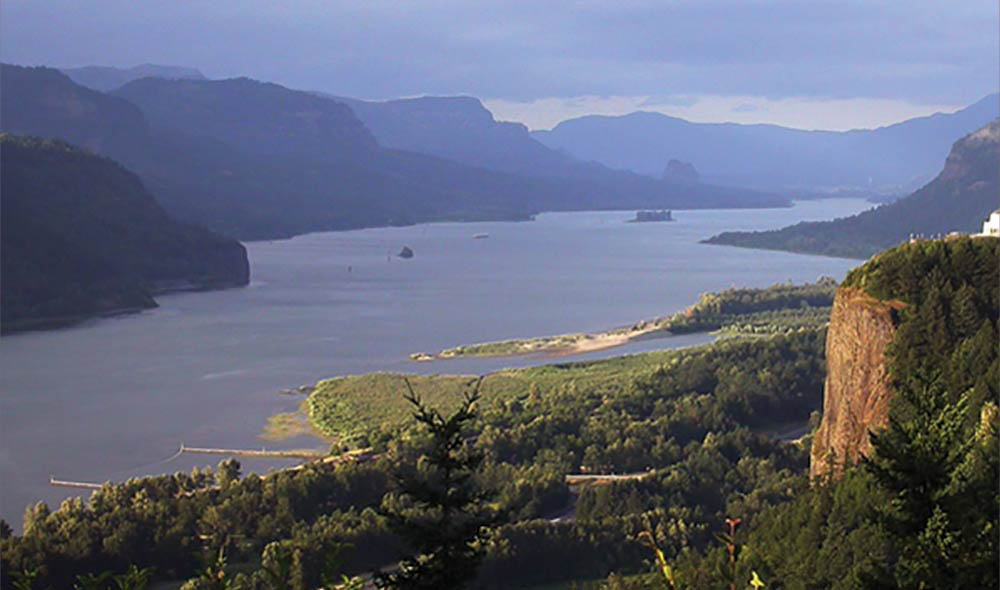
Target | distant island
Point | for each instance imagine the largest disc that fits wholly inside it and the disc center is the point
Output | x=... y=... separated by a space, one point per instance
x=647 y=216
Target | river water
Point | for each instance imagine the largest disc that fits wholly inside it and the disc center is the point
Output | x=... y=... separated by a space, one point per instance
x=114 y=398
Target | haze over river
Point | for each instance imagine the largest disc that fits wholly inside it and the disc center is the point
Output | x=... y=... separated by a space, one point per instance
x=114 y=398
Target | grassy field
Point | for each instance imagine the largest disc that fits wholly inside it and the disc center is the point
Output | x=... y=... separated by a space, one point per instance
x=348 y=409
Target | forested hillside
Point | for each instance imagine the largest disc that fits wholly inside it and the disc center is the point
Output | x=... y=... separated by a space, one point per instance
x=959 y=199
x=81 y=237
x=923 y=509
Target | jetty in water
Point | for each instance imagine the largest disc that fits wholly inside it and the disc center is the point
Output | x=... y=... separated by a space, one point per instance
x=293 y=454
x=60 y=483
x=353 y=456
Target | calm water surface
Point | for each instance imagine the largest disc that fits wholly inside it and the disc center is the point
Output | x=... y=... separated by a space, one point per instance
x=114 y=398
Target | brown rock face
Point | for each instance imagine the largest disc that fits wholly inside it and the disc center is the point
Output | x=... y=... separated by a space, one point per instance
x=857 y=392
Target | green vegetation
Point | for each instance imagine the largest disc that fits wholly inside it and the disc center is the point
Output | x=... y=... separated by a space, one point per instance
x=438 y=507
x=959 y=199
x=776 y=309
x=947 y=332
x=686 y=414
x=938 y=461
x=82 y=237
x=922 y=512
x=289 y=425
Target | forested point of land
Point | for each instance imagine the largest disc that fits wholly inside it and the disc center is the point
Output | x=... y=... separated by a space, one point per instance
x=82 y=237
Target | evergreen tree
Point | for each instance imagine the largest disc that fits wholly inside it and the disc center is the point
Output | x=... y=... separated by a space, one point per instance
x=439 y=509
x=940 y=475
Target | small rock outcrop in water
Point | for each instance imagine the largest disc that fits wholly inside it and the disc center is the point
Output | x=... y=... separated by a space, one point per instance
x=406 y=252
x=857 y=393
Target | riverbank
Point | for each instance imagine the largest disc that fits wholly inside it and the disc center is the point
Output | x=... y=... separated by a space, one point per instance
x=555 y=346
x=774 y=309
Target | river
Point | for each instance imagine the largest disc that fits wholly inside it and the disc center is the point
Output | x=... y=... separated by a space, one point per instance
x=114 y=398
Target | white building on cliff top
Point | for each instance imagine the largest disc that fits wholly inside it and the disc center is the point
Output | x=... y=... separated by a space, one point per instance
x=991 y=227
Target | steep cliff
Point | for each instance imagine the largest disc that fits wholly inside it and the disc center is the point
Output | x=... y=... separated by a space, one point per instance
x=917 y=317
x=857 y=391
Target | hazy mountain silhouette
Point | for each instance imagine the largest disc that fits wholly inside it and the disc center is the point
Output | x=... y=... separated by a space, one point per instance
x=236 y=186
x=460 y=128
x=81 y=236
x=105 y=78
x=959 y=199
x=771 y=157
x=257 y=160
x=482 y=164
x=257 y=117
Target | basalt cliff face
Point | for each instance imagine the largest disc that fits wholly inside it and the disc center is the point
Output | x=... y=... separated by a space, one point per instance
x=857 y=391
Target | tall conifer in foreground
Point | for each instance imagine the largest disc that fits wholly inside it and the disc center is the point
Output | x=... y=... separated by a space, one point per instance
x=438 y=508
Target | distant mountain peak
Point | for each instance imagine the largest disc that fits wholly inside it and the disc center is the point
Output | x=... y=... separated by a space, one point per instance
x=678 y=171
x=107 y=78
x=898 y=158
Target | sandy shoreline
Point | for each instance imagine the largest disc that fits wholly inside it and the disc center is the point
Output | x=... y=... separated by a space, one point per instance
x=555 y=346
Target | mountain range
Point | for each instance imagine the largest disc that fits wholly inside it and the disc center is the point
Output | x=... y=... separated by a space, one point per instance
x=612 y=151
x=896 y=158
x=257 y=160
x=959 y=199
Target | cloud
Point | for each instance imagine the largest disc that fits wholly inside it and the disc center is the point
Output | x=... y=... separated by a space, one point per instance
x=796 y=112
x=515 y=50
x=681 y=100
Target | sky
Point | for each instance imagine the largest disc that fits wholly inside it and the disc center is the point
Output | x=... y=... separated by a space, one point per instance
x=812 y=64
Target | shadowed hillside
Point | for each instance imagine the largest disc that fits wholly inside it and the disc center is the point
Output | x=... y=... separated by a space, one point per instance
x=959 y=199
x=81 y=237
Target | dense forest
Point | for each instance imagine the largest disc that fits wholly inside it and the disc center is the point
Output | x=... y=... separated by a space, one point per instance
x=924 y=510
x=959 y=199
x=779 y=307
